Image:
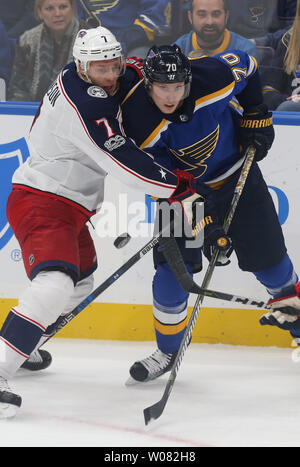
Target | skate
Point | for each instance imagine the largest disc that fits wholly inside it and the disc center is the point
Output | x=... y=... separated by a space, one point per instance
x=152 y=367
x=38 y=360
x=9 y=402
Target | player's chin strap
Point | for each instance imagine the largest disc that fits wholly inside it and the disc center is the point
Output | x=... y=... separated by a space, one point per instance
x=155 y=411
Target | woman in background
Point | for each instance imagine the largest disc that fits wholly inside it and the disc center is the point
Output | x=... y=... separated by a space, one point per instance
x=44 y=50
x=282 y=80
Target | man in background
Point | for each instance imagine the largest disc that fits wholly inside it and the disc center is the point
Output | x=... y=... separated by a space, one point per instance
x=209 y=34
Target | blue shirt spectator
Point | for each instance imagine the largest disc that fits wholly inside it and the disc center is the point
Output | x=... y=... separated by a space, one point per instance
x=231 y=41
x=17 y=16
x=135 y=23
x=209 y=34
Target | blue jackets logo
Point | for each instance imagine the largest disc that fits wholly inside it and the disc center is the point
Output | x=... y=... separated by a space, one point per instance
x=12 y=155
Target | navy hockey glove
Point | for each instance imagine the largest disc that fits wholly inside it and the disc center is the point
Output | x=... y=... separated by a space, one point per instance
x=215 y=237
x=286 y=306
x=256 y=129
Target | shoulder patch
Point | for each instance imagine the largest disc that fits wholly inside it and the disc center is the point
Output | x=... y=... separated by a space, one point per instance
x=96 y=91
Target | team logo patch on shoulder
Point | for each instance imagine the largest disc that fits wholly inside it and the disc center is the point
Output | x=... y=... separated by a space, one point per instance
x=96 y=91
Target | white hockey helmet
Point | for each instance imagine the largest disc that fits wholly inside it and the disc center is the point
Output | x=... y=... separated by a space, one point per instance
x=95 y=44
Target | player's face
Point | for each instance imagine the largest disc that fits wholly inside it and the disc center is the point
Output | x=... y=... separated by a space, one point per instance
x=56 y=14
x=209 y=20
x=167 y=97
x=105 y=73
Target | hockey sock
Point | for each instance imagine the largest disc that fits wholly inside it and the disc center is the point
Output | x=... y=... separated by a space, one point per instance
x=169 y=309
x=18 y=337
x=278 y=277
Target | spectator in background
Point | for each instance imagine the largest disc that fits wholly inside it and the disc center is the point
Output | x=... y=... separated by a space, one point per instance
x=135 y=23
x=282 y=81
x=44 y=50
x=17 y=16
x=5 y=60
x=209 y=34
x=263 y=21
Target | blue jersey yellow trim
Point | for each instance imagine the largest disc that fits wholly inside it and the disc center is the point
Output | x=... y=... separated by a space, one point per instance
x=201 y=136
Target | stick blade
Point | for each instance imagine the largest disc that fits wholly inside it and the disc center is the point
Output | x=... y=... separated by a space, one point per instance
x=175 y=260
x=154 y=411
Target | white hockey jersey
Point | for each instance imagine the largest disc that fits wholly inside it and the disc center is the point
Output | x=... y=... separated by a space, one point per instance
x=76 y=139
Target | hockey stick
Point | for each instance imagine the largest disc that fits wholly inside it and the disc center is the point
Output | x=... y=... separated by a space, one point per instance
x=154 y=411
x=178 y=267
x=62 y=321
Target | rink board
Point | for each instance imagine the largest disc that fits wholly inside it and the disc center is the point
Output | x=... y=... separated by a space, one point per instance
x=123 y=311
x=114 y=321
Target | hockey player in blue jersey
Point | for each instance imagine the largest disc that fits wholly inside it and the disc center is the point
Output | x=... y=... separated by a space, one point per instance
x=181 y=112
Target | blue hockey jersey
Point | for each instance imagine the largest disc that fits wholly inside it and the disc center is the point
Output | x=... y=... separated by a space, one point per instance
x=130 y=21
x=201 y=137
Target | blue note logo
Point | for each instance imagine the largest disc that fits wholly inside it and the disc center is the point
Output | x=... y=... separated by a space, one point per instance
x=12 y=155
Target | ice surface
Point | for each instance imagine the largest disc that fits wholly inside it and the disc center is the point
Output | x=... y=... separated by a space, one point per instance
x=223 y=396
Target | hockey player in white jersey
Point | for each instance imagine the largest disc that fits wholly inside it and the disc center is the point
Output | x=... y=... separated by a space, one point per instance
x=75 y=140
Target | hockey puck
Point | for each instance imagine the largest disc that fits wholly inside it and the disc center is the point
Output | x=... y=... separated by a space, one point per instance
x=122 y=240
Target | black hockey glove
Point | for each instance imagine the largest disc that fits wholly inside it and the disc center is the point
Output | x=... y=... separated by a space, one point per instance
x=256 y=128
x=215 y=237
